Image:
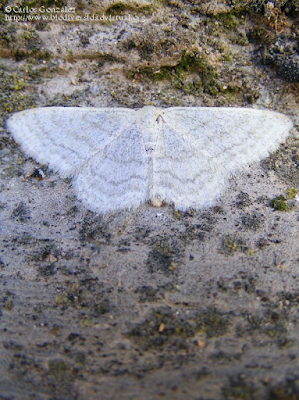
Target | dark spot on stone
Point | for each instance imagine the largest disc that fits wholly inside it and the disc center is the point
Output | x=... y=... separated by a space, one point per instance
x=21 y=212
x=263 y=243
x=238 y=389
x=253 y=221
x=288 y=69
x=243 y=200
x=230 y=244
x=47 y=270
x=72 y=337
x=167 y=326
x=147 y=294
x=93 y=229
x=164 y=256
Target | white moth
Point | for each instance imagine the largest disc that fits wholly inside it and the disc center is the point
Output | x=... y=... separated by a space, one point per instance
x=119 y=158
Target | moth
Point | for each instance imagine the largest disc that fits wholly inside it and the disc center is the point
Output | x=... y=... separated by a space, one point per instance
x=119 y=158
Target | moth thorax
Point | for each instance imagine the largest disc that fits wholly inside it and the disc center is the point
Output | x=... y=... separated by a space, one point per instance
x=150 y=146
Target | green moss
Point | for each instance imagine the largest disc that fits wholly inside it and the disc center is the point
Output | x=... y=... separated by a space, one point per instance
x=163 y=258
x=117 y=8
x=15 y=82
x=160 y=74
x=279 y=203
x=228 y=20
x=45 y=3
x=226 y=56
x=195 y=62
x=166 y=326
x=144 y=45
x=12 y=170
x=230 y=91
x=229 y=245
x=240 y=38
x=12 y=96
x=162 y=248
x=9 y=305
x=171 y=3
x=69 y=56
x=261 y=35
x=122 y=7
x=61 y=299
x=232 y=243
x=211 y=322
x=86 y=322
x=23 y=44
x=272 y=323
x=177 y=214
x=192 y=74
x=291 y=193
